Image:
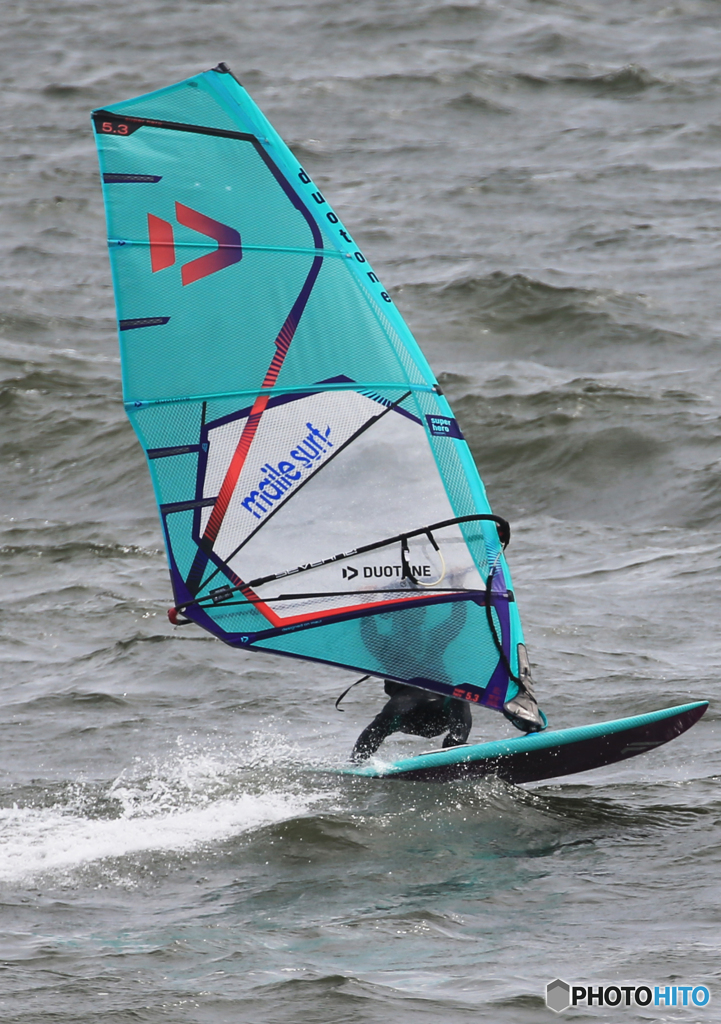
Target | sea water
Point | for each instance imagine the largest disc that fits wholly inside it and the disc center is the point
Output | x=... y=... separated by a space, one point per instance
x=538 y=186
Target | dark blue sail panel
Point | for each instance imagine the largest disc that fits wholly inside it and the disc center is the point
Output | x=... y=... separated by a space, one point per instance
x=316 y=494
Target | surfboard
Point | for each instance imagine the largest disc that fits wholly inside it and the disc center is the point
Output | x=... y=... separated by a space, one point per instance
x=544 y=755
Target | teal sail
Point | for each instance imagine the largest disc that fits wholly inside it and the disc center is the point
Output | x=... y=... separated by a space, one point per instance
x=316 y=495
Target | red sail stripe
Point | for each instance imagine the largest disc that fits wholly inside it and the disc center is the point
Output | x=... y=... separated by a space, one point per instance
x=237 y=462
x=278 y=620
x=282 y=342
x=291 y=620
x=234 y=469
x=229 y=249
x=162 y=243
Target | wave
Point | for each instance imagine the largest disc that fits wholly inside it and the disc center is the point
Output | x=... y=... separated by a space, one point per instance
x=171 y=807
x=473 y=103
x=24 y=325
x=536 y=318
x=627 y=80
x=630 y=80
x=421 y=16
x=622 y=446
x=60 y=384
x=706 y=490
x=37 y=842
x=47 y=543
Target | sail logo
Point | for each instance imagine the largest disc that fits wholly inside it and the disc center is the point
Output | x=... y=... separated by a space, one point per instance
x=282 y=477
x=162 y=244
x=378 y=571
x=444 y=426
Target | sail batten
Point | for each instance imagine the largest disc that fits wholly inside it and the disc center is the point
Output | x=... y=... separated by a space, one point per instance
x=287 y=412
x=300 y=389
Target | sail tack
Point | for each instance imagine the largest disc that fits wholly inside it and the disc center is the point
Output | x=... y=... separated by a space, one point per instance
x=316 y=495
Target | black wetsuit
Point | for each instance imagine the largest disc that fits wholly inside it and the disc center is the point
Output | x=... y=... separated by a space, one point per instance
x=418 y=712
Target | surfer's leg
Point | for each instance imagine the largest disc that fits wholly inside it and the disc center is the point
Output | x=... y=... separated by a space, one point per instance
x=460 y=721
x=409 y=710
x=385 y=723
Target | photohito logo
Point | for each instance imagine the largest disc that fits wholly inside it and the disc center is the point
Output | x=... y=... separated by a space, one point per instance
x=561 y=996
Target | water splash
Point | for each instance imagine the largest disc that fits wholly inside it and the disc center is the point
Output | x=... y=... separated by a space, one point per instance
x=191 y=799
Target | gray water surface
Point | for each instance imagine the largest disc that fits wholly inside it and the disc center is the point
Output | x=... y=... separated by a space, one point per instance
x=538 y=185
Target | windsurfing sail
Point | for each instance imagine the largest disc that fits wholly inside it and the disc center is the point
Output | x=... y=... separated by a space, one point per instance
x=316 y=495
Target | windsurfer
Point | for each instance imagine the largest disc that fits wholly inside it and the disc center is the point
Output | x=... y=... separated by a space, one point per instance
x=422 y=713
x=417 y=712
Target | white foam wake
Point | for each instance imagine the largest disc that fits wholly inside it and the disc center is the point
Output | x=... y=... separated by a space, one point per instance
x=193 y=800
x=36 y=841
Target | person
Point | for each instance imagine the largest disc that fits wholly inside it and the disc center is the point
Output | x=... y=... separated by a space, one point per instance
x=422 y=713
x=417 y=712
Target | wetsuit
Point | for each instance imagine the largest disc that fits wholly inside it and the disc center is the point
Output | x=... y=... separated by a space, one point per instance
x=418 y=712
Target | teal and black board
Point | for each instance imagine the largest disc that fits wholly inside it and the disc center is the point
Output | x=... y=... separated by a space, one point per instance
x=545 y=755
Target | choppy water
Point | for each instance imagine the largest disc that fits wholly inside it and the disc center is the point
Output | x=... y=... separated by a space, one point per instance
x=539 y=184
